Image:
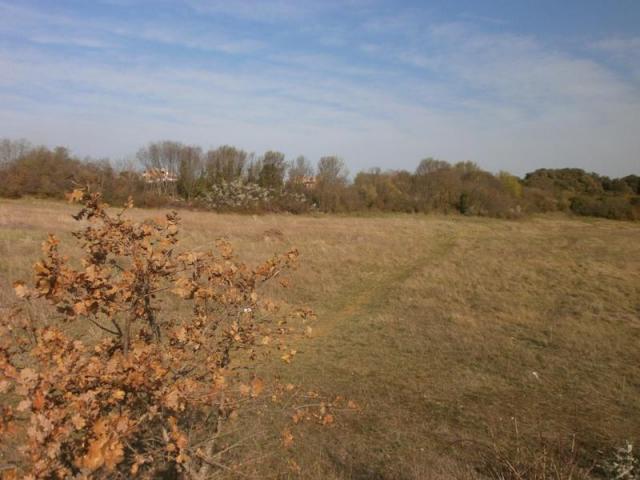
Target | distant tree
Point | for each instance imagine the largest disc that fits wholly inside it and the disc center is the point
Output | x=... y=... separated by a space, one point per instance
x=273 y=170
x=615 y=185
x=467 y=167
x=384 y=190
x=50 y=173
x=190 y=171
x=163 y=155
x=179 y=161
x=300 y=177
x=299 y=168
x=574 y=180
x=11 y=150
x=613 y=207
x=430 y=165
x=126 y=164
x=464 y=203
x=331 y=183
x=511 y=183
x=634 y=183
x=225 y=164
x=254 y=169
x=332 y=171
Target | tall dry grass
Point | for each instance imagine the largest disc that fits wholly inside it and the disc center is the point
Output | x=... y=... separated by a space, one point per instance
x=443 y=329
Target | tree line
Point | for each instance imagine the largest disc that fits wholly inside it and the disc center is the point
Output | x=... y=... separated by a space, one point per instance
x=230 y=179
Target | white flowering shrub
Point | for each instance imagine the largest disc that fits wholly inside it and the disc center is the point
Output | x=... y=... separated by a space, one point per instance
x=625 y=464
x=240 y=196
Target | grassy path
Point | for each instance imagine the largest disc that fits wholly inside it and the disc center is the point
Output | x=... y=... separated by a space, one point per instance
x=435 y=326
x=363 y=348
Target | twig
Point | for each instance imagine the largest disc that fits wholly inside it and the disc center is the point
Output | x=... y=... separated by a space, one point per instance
x=102 y=327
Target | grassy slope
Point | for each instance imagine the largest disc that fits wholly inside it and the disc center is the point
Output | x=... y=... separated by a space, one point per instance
x=435 y=326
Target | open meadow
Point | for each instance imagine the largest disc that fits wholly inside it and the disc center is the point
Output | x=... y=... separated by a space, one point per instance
x=469 y=344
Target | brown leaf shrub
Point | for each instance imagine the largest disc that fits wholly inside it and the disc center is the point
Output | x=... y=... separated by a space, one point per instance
x=149 y=396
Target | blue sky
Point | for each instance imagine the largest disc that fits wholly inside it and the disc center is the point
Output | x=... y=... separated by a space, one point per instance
x=512 y=85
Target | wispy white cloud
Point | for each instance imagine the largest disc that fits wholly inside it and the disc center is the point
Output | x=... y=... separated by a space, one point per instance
x=64 y=39
x=623 y=50
x=621 y=46
x=56 y=29
x=384 y=90
x=275 y=10
x=472 y=17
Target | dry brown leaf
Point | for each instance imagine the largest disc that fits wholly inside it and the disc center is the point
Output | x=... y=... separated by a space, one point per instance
x=38 y=400
x=114 y=454
x=4 y=386
x=257 y=386
x=286 y=358
x=270 y=306
x=94 y=458
x=75 y=196
x=297 y=417
x=118 y=395
x=80 y=308
x=78 y=422
x=181 y=334
x=172 y=399
x=28 y=377
x=245 y=390
x=10 y=473
x=21 y=290
x=327 y=419
x=24 y=405
x=123 y=275
x=287 y=438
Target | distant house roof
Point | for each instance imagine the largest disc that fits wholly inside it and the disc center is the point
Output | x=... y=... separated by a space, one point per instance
x=159 y=175
x=307 y=181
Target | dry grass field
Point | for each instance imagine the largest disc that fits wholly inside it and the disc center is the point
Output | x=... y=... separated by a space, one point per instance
x=467 y=342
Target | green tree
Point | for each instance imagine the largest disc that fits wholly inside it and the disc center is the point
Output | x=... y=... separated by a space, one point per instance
x=511 y=183
x=273 y=170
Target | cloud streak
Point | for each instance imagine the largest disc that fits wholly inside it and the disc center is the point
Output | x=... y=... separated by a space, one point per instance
x=380 y=87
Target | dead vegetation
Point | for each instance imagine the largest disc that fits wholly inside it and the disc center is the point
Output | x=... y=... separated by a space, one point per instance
x=443 y=331
x=148 y=396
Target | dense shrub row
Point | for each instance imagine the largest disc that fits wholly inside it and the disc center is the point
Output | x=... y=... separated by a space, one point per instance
x=229 y=179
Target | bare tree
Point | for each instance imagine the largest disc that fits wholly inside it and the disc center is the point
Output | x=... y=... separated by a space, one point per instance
x=190 y=171
x=11 y=150
x=225 y=164
x=331 y=183
x=299 y=169
x=254 y=168
x=163 y=155
x=162 y=158
x=430 y=165
x=332 y=171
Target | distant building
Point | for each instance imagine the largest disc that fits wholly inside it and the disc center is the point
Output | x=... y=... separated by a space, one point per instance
x=309 y=182
x=159 y=175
